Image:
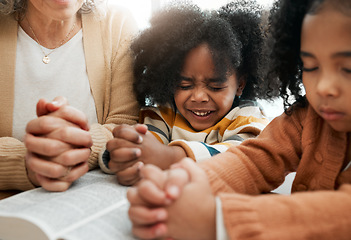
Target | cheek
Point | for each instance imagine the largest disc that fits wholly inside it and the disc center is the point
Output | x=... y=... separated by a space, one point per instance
x=309 y=87
x=179 y=98
x=225 y=101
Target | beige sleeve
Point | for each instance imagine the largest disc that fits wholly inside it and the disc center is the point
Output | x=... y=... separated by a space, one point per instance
x=122 y=105
x=13 y=174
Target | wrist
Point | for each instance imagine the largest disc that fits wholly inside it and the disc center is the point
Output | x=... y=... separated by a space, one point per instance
x=176 y=154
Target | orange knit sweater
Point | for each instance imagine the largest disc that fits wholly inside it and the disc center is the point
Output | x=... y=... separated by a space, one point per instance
x=320 y=204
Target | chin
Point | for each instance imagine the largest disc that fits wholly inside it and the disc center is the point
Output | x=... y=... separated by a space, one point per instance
x=340 y=128
x=200 y=128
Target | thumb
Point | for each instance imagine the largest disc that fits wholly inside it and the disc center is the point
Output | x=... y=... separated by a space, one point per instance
x=45 y=107
x=192 y=168
x=41 y=107
x=181 y=174
x=141 y=128
x=56 y=103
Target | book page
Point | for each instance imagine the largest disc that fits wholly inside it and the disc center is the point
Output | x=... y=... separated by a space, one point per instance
x=95 y=207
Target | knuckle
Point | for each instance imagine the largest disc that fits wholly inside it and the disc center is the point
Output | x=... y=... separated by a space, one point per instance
x=44 y=122
x=114 y=166
x=65 y=111
x=64 y=133
x=118 y=129
x=30 y=162
x=115 y=155
x=67 y=158
x=50 y=147
x=110 y=145
x=55 y=171
x=28 y=141
x=71 y=177
x=89 y=140
x=84 y=168
x=86 y=153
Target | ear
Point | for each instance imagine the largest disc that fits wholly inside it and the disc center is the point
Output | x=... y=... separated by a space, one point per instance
x=241 y=86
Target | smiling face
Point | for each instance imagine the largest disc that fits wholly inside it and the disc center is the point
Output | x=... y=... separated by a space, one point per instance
x=201 y=97
x=326 y=56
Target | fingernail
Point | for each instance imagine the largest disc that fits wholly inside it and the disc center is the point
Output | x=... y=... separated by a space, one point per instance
x=159 y=232
x=55 y=103
x=137 y=152
x=140 y=165
x=173 y=191
x=140 y=139
x=161 y=216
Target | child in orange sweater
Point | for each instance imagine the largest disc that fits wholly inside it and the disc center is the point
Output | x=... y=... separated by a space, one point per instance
x=220 y=198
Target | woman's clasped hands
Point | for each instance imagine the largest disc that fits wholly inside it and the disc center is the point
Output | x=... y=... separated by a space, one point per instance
x=58 y=145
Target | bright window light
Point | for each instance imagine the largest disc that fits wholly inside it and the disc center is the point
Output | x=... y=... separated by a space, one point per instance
x=142 y=9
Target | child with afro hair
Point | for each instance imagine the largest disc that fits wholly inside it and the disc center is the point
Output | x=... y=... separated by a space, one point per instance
x=197 y=76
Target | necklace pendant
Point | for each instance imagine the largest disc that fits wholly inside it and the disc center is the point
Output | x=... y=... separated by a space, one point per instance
x=46 y=59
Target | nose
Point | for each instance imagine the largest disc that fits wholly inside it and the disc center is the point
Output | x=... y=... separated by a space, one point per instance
x=199 y=95
x=327 y=85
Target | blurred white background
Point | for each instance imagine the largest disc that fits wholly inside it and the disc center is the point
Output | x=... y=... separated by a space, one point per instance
x=142 y=9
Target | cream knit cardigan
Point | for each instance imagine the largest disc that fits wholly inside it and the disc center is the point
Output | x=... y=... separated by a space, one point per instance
x=106 y=38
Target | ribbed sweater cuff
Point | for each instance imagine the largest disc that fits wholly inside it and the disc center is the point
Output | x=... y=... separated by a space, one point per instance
x=240 y=218
x=13 y=173
x=100 y=136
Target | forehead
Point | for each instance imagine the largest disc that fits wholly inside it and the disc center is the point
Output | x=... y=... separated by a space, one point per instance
x=326 y=30
x=199 y=65
x=200 y=55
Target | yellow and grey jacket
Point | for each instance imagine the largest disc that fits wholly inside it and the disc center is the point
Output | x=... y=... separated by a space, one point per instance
x=245 y=121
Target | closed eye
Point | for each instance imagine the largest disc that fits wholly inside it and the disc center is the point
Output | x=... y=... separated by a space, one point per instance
x=216 y=89
x=346 y=70
x=309 y=69
x=185 y=87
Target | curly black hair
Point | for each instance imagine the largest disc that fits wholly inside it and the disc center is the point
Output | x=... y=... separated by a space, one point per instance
x=233 y=33
x=284 y=71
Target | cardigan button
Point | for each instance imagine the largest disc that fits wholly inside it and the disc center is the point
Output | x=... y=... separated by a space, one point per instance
x=301 y=187
x=318 y=157
x=314 y=184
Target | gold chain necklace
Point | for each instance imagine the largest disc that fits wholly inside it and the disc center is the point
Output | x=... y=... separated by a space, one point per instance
x=46 y=58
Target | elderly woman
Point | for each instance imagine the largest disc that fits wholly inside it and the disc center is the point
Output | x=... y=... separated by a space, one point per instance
x=72 y=48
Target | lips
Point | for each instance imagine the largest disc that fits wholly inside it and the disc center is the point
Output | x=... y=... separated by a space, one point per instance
x=330 y=114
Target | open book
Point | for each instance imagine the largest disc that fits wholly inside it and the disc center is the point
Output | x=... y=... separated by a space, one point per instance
x=95 y=207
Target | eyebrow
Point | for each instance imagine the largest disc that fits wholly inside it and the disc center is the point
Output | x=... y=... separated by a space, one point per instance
x=342 y=54
x=305 y=54
x=215 y=80
x=346 y=54
x=186 y=78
